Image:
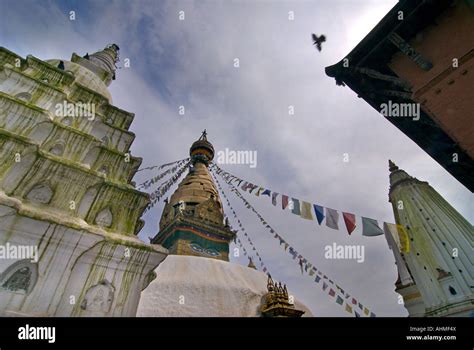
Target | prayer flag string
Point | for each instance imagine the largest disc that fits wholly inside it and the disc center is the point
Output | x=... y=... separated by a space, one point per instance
x=328 y=285
x=241 y=229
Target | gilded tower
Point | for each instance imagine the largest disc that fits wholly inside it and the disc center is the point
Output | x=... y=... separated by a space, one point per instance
x=436 y=271
x=192 y=222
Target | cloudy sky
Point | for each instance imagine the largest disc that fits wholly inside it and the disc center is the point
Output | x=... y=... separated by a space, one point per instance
x=191 y=63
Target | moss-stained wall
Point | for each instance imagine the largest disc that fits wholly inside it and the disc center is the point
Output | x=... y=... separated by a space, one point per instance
x=65 y=190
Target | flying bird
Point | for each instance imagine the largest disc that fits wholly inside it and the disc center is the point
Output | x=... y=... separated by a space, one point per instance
x=318 y=40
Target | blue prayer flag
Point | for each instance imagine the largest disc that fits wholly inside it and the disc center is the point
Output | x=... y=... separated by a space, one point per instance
x=319 y=211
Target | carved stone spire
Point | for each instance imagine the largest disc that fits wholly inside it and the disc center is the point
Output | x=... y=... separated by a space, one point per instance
x=439 y=257
x=102 y=63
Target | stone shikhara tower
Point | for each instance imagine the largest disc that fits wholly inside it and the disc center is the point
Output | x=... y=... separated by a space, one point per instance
x=192 y=222
x=436 y=273
x=66 y=192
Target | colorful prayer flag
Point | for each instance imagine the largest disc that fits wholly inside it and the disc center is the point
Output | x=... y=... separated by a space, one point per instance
x=284 y=201
x=404 y=239
x=349 y=220
x=266 y=193
x=306 y=210
x=296 y=206
x=319 y=211
x=325 y=286
x=348 y=308
x=332 y=217
x=332 y=292
x=274 y=198
x=317 y=279
x=339 y=300
x=370 y=227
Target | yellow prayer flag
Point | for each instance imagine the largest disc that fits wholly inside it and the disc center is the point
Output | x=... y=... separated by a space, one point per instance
x=404 y=240
x=366 y=311
x=306 y=210
x=348 y=308
x=399 y=235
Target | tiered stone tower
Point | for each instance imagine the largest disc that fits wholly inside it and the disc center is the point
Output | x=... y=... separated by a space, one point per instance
x=436 y=273
x=65 y=190
x=192 y=222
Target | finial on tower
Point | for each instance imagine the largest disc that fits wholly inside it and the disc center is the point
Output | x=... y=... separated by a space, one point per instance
x=102 y=63
x=270 y=284
x=392 y=166
x=202 y=150
x=251 y=264
x=276 y=302
x=204 y=135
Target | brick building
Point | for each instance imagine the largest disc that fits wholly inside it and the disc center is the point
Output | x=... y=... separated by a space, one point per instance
x=422 y=54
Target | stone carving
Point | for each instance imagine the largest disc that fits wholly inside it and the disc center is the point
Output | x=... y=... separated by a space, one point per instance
x=209 y=211
x=99 y=298
x=24 y=96
x=104 y=218
x=104 y=169
x=40 y=194
x=57 y=149
x=67 y=121
x=105 y=141
x=19 y=277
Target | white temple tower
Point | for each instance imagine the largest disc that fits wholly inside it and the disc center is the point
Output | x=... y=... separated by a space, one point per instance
x=69 y=214
x=436 y=270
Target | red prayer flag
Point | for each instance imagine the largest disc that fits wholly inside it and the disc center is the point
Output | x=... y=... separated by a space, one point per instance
x=349 y=220
x=332 y=292
x=284 y=201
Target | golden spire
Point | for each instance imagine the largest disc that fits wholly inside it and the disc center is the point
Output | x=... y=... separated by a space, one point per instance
x=192 y=222
x=277 y=303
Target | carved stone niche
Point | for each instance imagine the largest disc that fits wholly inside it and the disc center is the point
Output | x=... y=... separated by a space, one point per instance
x=104 y=218
x=24 y=96
x=99 y=298
x=41 y=193
x=20 y=277
x=57 y=149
